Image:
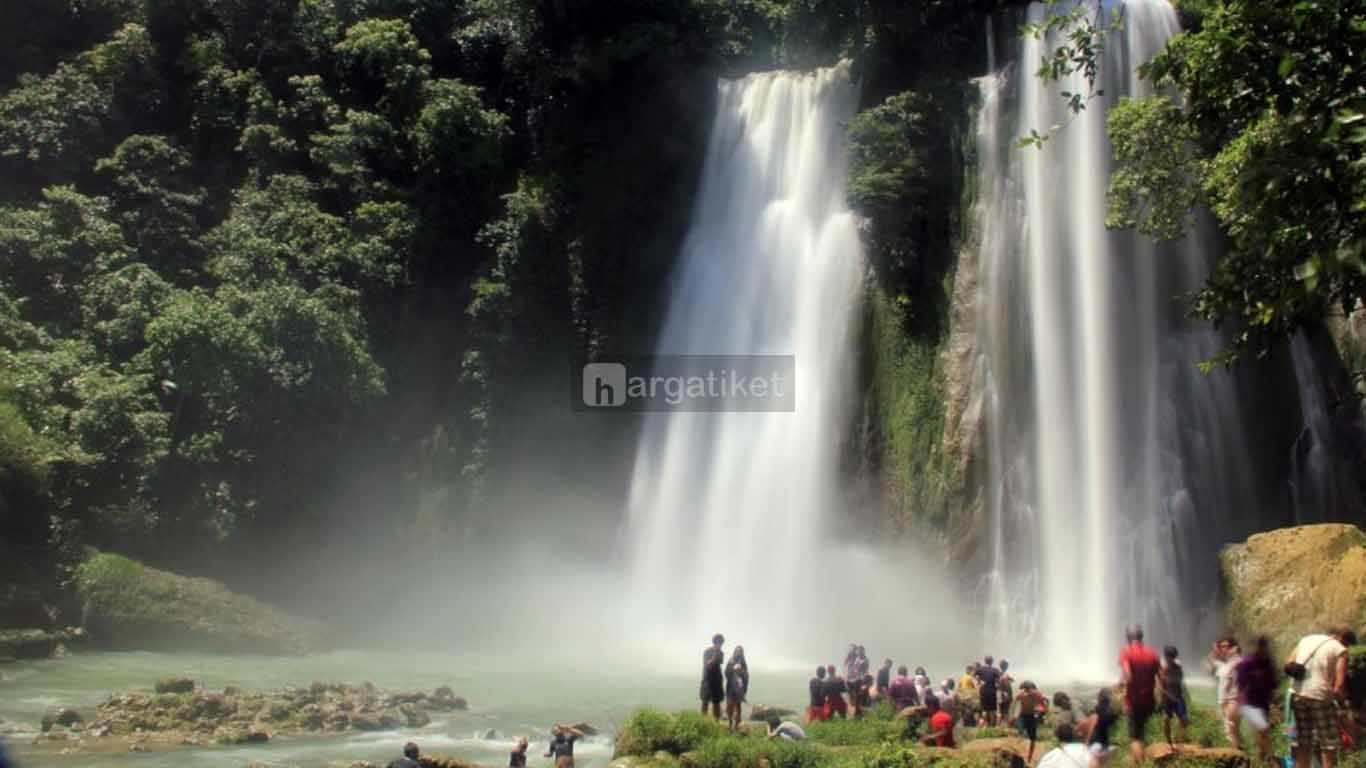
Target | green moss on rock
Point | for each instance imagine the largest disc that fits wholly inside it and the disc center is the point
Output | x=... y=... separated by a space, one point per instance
x=128 y=605
x=1293 y=581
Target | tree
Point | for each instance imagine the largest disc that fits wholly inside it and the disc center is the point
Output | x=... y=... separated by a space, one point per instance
x=1270 y=136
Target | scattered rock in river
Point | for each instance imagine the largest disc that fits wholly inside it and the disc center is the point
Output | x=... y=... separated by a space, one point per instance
x=174 y=685
x=63 y=716
x=181 y=712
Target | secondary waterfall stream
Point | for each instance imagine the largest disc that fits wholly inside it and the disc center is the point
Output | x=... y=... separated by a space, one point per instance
x=1115 y=467
x=727 y=510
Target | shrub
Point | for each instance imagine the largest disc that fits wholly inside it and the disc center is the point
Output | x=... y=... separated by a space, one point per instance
x=645 y=732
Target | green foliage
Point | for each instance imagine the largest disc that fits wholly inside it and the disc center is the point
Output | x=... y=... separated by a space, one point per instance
x=905 y=177
x=1269 y=136
x=128 y=604
x=863 y=732
x=1153 y=150
x=1083 y=31
x=647 y=731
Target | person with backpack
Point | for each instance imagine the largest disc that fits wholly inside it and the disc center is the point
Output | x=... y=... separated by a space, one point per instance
x=1318 y=669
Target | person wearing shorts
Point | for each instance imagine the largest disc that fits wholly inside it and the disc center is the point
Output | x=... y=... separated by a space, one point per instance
x=1139 y=665
x=1033 y=706
x=1171 y=687
x=815 y=708
x=713 y=687
x=1317 y=693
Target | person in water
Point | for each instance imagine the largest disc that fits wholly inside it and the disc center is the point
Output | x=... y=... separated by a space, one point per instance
x=835 y=688
x=409 y=758
x=518 y=757
x=562 y=745
x=1256 y=679
x=1138 y=665
x=737 y=687
x=941 y=724
x=713 y=688
x=1171 y=685
x=816 y=709
x=1031 y=708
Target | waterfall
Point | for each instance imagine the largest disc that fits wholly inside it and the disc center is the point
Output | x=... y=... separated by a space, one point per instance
x=1113 y=462
x=728 y=512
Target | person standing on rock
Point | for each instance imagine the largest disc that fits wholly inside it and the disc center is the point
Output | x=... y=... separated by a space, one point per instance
x=1138 y=665
x=1256 y=679
x=988 y=684
x=1171 y=685
x=1318 y=669
x=1223 y=657
x=713 y=688
x=409 y=758
x=737 y=687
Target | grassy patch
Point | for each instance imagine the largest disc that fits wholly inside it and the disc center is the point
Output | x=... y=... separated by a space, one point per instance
x=657 y=739
x=126 y=604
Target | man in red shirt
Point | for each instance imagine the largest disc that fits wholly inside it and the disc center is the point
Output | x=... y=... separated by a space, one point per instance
x=941 y=724
x=1140 y=666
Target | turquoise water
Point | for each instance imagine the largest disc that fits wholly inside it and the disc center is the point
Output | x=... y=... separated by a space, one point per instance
x=508 y=697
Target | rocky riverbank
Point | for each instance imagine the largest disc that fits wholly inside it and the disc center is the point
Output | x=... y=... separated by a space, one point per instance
x=180 y=713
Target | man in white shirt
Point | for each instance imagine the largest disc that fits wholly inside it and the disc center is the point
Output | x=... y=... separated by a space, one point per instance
x=1071 y=753
x=1222 y=659
x=786 y=730
x=1318 y=692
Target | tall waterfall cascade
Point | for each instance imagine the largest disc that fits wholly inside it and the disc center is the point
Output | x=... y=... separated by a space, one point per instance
x=727 y=511
x=1115 y=468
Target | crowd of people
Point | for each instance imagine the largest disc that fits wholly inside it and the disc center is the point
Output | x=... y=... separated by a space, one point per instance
x=1150 y=684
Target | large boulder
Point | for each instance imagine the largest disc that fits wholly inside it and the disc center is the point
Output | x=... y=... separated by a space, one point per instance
x=1293 y=581
x=128 y=605
x=174 y=685
x=63 y=716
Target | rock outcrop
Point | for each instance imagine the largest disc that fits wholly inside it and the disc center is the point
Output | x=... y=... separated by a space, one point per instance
x=130 y=606
x=1293 y=581
x=183 y=713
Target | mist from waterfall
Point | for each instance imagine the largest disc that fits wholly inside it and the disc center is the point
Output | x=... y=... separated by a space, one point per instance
x=1115 y=468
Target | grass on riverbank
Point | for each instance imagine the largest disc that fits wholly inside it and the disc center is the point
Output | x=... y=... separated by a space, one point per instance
x=654 y=739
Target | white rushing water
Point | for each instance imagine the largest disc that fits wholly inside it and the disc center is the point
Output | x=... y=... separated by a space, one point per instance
x=1113 y=462
x=728 y=511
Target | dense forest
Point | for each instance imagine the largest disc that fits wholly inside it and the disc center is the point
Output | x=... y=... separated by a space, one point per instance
x=275 y=268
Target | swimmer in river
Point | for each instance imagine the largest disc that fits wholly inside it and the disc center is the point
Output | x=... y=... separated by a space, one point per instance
x=562 y=745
